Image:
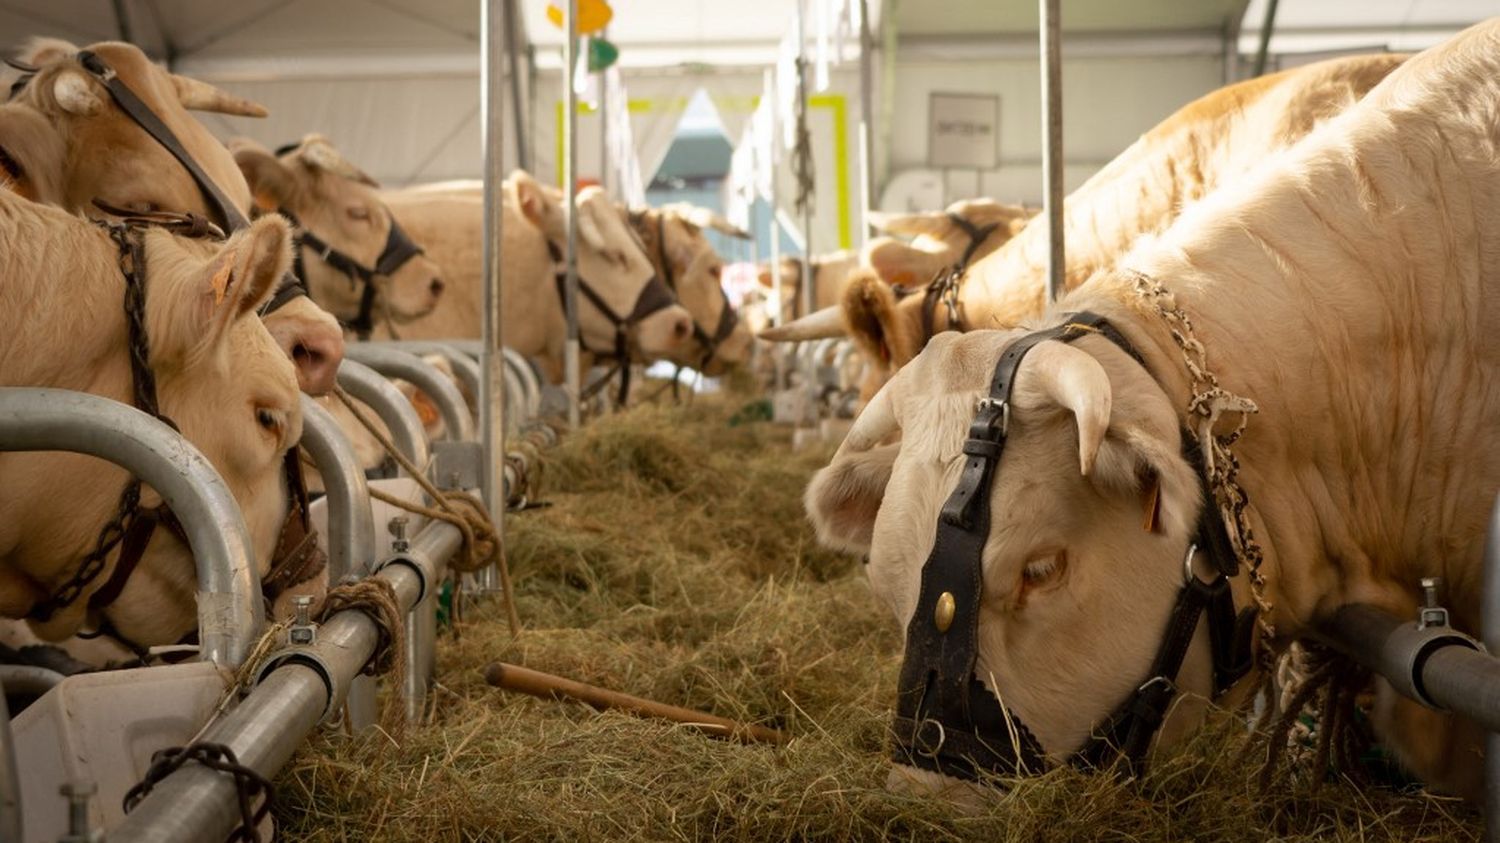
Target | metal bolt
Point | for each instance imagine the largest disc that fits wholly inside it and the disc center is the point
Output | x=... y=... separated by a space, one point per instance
x=397 y=528
x=1431 y=614
x=78 y=793
x=303 y=632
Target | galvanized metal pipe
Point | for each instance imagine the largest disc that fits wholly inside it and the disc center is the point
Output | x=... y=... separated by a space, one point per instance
x=394 y=363
x=26 y=679
x=866 y=121
x=367 y=385
x=229 y=601
x=1267 y=26
x=1434 y=666
x=465 y=365
x=351 y=526
x=572 y=376
x=1490 y=621
x=809 y=282
x=10 y=778
x=196 y=803
x=491 y=391
x=778 y=306
x=1052 y=152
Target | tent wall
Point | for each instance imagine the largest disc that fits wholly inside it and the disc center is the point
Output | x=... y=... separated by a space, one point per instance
x=1107 y=103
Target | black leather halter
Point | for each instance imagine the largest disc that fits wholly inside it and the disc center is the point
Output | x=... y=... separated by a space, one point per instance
x=228 y=215
x=654 y=297
x=728 y=318
x=946 y=720
x=398 y=250
x=945 y=285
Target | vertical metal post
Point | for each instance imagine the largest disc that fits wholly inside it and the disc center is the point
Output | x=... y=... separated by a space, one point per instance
x=774 y=226
x=866 y=118
x=1052 y=155
x=1490 y=625
x=10 y=781
x=809 y=281
x=513 y=57
x=605 y=176
x=571 y=374
x=491 y=358
x=1267 y=25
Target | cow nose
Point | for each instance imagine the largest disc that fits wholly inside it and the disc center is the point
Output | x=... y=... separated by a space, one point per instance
x=436 y=287
x=317 y=360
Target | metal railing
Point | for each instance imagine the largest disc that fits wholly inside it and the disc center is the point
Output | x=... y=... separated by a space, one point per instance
x=458 y=422
x=229 y=600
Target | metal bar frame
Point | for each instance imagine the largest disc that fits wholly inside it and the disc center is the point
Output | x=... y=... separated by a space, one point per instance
x=351 y=526
x=229 y=600
x=396 y=363
x=1490 y=624
x=491 y=392
x=1052 y=141
x=298 y=688
x=367 y=385
x=571 y=373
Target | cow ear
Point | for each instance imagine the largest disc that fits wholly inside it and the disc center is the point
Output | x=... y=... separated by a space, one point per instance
x=273 y=184
x=33 y=154
x=532 y=203
x=883 y=330
x=234 y=283
x=844 y=497
x=898 y=263
x=1152 y=474
x=41 y=51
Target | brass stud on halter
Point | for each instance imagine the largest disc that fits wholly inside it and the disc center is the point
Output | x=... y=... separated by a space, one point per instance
x=942 y=614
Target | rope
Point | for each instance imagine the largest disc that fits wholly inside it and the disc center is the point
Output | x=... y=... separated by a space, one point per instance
x=481 y=543
x=377 y=599
x=1326 y=688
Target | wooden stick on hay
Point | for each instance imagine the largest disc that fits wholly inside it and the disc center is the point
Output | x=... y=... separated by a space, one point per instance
x=512 y=677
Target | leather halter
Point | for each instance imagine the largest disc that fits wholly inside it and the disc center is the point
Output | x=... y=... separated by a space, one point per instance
x=297 y=558
x=654 y=297
x=728 y=318
x=228 y=214
x=398 y=250
x=946 y=720
x=945 y=285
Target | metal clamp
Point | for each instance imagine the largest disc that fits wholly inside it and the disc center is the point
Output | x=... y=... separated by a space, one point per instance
x=303 y=631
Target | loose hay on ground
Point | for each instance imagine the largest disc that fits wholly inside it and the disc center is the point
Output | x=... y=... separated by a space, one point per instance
x=677 y=564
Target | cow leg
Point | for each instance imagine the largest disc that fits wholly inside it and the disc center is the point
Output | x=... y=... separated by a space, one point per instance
x=1444 y=750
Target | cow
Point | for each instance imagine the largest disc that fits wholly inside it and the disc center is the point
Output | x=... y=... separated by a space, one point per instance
x=1333 y=307
x=350 y=241
x=220 y=377
x=64 y=141
x=449 y=220
x=1208 y=142
x=683 y=257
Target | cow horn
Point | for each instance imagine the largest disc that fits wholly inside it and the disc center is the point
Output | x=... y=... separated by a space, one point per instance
x=201 y=96
x=823 y=324
x=922 y=222
x=75 y=95
x=1075 y=380
x=874 y=423
x=318 y=152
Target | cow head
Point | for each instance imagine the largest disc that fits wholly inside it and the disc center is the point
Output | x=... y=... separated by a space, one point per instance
x=220 y=378
x=610 y=261
x=675 y=243
x=1092 y=509
x=71 y=144
x=336 y=202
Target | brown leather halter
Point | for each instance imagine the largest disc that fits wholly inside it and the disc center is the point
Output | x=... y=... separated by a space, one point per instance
x=947 y=283
x=641 y=223
x=297 y=558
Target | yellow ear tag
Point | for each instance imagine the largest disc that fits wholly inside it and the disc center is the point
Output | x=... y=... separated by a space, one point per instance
x=1152 y=521
x=222 y=277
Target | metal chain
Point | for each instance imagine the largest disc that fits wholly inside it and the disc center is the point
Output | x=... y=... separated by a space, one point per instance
x=248 y=784
x=1207 y=402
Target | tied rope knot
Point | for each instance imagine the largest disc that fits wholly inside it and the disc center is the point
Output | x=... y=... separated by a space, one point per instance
x=377 y=599
x=481 y=542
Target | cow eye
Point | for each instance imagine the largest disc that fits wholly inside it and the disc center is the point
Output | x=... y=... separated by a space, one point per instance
x=267 y=420
x=143 y=207
x=1044 y=570
x=359 y=212
x=716 y=271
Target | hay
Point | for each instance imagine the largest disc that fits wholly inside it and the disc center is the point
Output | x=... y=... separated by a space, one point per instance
x=677 y=564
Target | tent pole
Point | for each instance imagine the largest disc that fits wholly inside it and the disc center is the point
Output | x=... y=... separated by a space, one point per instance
x=513 y=57
x=1267 y=26
x=778 y=306
x=604 y=169
x=866 y=121
x=570 y=194
x=809 y=280
x=1052 y=157
x=492 y=385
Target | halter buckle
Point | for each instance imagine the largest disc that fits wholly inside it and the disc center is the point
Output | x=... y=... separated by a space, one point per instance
x=927 y=745
x=997 y=405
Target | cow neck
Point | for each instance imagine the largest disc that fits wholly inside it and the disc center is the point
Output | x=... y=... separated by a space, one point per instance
x=946 y=720
x=229 y=215
x=654 y=297
x=728 y=318
x=946 y=285
x=397 y=251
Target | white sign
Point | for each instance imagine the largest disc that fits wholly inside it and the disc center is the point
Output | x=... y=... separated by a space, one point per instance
x=963 y=131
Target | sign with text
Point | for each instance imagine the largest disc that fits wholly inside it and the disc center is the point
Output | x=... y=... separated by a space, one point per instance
x=963 y=131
